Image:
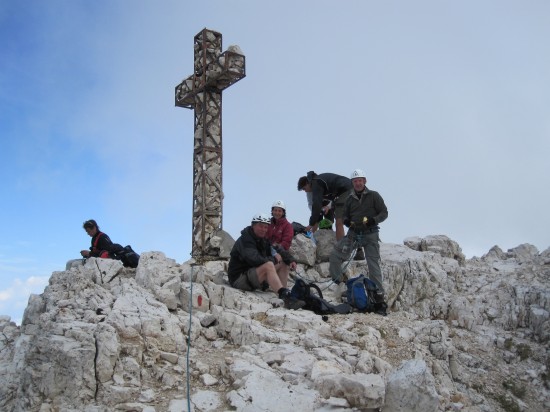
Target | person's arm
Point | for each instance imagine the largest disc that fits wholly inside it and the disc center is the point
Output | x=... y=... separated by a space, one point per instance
x=251 y=255
x=317 y=203
x=288 y=258
x=287 y=235
x=381 y=209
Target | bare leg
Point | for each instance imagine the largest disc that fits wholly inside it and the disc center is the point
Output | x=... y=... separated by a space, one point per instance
x=276 y=278
x=282 y=271
x=268 y=273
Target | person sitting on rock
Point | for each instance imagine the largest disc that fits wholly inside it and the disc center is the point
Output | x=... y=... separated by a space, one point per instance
x=252 y=265
x=101 y=244
x=280 y=231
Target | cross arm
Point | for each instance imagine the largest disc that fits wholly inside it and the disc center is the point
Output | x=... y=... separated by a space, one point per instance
x=229 y=69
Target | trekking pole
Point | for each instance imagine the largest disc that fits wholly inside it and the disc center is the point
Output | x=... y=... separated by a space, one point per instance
x=356 y=243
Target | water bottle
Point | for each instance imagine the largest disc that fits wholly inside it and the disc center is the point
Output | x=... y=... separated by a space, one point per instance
x=310 y=236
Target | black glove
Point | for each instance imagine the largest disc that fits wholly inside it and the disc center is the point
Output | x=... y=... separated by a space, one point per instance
x=371 y=222
x=347 y=223
x=358 y=224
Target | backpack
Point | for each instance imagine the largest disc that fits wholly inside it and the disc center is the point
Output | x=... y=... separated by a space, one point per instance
x=298 y=228
x=312 y=295
x=325 y=223
x=125 y=254
x=361 y=293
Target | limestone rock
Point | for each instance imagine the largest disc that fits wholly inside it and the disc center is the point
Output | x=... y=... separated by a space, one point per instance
x=439 y=244
x=303 y=250
x=411 y=388
x=461 y=335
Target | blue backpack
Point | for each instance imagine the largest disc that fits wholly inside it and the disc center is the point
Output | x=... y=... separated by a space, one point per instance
x=361 y=293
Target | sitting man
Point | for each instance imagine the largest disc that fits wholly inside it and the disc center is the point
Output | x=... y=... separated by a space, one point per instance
x=252 y=264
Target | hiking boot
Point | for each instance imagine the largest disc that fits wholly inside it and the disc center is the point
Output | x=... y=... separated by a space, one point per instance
x=290 y=301
x=359 y=255
x=379 y=297
x=380 y=305
x=381 y=308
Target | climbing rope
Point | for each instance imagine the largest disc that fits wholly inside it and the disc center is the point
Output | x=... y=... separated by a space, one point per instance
x=189 y=340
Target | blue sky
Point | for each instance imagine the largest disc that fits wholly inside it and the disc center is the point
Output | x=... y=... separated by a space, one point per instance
x=444 y=104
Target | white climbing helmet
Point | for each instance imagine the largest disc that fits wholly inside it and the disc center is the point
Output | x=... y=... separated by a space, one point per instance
x=261 y=218
x=278 y=203
x=357 y=173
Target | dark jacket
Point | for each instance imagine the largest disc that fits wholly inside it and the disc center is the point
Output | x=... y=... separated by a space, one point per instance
x=327 y=186
x=280 y=232
x=250 y=251
x=369 y=204
x=100 y=243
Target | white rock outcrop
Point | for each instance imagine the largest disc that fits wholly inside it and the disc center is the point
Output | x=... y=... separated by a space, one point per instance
x=462 y=335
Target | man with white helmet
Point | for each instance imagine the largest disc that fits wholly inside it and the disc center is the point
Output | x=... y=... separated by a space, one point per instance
x=364 y=210
x=252 y=263
x=280 y=231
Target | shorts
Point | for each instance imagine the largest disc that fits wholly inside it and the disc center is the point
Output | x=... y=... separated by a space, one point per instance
x=247 y=280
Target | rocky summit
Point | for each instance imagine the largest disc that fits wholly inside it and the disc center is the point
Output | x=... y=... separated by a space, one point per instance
x=461 y=335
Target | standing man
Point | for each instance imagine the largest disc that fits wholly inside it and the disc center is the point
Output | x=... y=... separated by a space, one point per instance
x=363 y=212
x=332 y=189
x=253 y=265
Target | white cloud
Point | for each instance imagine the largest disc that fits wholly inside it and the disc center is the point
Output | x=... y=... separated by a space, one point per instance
x=14 y=299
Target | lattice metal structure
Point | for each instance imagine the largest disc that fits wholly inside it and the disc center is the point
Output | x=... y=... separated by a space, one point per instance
x=214 y=71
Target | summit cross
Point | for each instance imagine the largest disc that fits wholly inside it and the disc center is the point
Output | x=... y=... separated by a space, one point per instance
x=214 y=71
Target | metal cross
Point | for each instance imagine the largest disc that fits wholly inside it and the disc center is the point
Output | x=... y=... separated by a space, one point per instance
x=202 y=91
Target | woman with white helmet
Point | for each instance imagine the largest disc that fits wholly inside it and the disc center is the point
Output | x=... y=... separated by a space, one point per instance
x=280 y=232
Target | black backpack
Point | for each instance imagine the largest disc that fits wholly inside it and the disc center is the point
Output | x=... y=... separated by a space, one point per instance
x=125 y=254
x=312 y=295
x=298 y=228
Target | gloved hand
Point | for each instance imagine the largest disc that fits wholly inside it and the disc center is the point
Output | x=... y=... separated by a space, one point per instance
x=347 y=222
x=357 y=224
x=370 y=222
